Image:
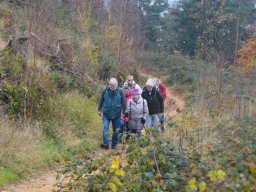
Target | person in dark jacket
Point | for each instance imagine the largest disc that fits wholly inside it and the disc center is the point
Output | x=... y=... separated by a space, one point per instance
x=111 y=104
x=162 y=89
x=155 y=103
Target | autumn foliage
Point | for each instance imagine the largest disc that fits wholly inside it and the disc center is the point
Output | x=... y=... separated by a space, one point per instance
x=247 y=55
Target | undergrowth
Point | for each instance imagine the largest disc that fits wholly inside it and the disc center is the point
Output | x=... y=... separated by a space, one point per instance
x=70 y=127
x=157 y=164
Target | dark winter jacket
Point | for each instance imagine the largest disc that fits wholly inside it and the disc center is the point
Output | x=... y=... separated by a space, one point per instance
x=112 y=102
x=154 y=100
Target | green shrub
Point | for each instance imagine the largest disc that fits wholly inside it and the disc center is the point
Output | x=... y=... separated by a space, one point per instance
x=78 y=109
x=107 y=68
x=17 y=97
x=4 y=35
x=63 y=82
x=179 y=70
x=158 y=165
x=51 y=132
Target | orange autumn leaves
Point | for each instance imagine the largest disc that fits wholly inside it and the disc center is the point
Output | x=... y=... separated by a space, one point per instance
x=247 y=55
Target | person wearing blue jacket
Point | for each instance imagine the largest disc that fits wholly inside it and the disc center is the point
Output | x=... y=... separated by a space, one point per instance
x=112 y=102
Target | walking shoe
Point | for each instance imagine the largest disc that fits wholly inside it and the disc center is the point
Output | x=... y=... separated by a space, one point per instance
x=105 y=146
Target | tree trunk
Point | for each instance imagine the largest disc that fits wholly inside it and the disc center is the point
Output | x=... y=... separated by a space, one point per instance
x=237 y=32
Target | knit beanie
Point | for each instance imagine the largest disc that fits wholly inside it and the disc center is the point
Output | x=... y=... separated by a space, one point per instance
x=150 y=82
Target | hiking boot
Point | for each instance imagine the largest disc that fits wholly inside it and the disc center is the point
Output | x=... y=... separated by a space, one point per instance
x=113 y=147
x=105 y=146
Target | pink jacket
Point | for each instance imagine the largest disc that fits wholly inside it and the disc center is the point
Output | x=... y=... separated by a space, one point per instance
x=128 y=98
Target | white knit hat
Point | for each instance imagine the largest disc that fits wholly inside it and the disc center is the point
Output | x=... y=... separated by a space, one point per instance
x=150 y=82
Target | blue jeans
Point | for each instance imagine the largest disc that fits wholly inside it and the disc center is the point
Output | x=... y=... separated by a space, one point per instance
x=115 y=125
x=152 y=121
x=121 y=131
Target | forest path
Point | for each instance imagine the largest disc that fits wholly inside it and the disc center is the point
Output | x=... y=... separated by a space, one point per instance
x=45 y=181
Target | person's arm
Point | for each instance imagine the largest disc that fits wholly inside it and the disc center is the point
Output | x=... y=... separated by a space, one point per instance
x=145 y=111
x=128 y=108
x=161 y=101
x=123 y=100
x=101 y=100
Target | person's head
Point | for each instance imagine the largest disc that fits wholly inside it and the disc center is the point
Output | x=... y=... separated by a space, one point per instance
x=135 y=94
x=126 y=90
x=157 y=82
x=129 y=78
x=150 y=84
x=113 y=84
x=130 y=81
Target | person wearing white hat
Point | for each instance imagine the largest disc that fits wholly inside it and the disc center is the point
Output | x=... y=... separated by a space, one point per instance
x=155 y=103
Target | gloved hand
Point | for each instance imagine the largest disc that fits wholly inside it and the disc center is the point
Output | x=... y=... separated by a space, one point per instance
x=126 y=114
x=126 y=119
x=161 y=117
x=142 y=120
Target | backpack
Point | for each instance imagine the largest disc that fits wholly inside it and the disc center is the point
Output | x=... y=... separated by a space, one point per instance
x=119 y=90
x=131 y=105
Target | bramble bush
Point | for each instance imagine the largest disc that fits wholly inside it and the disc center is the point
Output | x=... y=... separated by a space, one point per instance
x=156 y=164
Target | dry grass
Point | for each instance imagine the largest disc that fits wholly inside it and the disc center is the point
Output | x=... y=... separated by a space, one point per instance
x=18 y=149
x=16 y=138
x=2 y=44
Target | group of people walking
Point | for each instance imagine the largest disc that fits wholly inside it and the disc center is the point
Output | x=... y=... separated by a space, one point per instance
x=132 y=108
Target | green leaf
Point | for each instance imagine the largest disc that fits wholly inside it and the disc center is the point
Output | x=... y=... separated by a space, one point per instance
x=192 y=184
x=149 y=175
x=202 y=186
x=117 y=181
x=221 y=175
x=119 y=172
x=212 y=175
x=112 y=187
x=173 y=183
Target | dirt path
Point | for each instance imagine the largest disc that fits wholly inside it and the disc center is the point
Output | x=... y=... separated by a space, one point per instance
x=47 y=180
x=43 y=183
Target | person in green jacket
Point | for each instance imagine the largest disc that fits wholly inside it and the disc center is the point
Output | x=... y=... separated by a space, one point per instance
x=112 y=102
